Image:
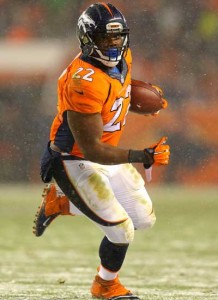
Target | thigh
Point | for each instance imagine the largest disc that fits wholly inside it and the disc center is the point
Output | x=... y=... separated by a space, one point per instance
x=129 y=189
x=87 y=186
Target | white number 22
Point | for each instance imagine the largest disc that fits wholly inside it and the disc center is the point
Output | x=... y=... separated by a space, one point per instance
x=86 y=76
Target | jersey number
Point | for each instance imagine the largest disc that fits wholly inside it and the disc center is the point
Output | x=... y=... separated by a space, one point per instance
x=86 y=76
x=113 y=125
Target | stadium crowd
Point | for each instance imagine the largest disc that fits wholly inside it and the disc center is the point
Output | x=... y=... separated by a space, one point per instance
x=174 y=45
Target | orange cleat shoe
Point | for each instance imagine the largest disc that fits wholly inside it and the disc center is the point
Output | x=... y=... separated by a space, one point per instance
x=52 y=205
x=110 y=290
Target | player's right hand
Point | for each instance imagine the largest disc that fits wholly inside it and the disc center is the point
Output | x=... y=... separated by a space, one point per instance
x=155 y=114
x=159 y=90
x=160 y=152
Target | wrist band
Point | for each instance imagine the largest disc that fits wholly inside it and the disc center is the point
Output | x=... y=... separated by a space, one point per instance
x=140 y=156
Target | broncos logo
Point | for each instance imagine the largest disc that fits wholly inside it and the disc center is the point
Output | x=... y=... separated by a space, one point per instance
x=85 y=20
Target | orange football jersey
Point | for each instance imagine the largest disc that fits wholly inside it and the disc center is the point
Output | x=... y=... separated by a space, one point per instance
x=87 y=87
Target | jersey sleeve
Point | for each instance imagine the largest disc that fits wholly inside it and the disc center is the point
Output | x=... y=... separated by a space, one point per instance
x=86 y=92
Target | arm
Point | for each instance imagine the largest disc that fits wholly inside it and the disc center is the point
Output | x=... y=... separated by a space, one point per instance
x=87 y=130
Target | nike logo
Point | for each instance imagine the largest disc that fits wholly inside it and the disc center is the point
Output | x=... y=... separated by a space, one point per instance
x=46 y=222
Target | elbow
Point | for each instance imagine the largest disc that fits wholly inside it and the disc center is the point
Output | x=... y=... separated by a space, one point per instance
x=91 y=156
x=91 y=153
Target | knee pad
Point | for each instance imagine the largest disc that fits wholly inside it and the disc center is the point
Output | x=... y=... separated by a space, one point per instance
x=122 y=233
x=147 y=222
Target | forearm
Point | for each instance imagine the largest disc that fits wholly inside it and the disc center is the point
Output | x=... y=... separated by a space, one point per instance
x=106 y=154
x=87 y=132
x=110 y=155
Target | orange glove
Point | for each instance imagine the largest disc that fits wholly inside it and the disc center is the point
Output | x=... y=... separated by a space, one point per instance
x=160 y=152
x=164 y=105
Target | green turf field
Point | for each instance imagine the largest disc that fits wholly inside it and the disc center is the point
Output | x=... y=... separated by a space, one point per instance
x=176 y=259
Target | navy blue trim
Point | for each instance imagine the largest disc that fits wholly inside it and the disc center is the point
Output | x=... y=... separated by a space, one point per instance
x=64 y=139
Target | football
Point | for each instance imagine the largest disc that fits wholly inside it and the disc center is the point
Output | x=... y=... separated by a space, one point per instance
x=145 y=99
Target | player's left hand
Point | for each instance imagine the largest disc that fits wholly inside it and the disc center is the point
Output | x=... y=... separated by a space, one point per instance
x=160 y=152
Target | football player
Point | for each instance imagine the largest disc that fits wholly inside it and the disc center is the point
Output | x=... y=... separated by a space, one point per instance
x=94 y=176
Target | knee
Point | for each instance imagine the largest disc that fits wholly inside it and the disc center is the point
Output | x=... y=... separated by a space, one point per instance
x=124 y=233
x=147 y=222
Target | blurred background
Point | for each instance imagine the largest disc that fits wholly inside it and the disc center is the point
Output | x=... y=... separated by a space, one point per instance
x=174 y=45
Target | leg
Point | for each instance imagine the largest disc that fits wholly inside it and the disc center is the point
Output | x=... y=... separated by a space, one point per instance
x=128 y=186
x=87 y=185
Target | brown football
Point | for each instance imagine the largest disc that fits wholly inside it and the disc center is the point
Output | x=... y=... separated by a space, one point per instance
x=145 y=99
